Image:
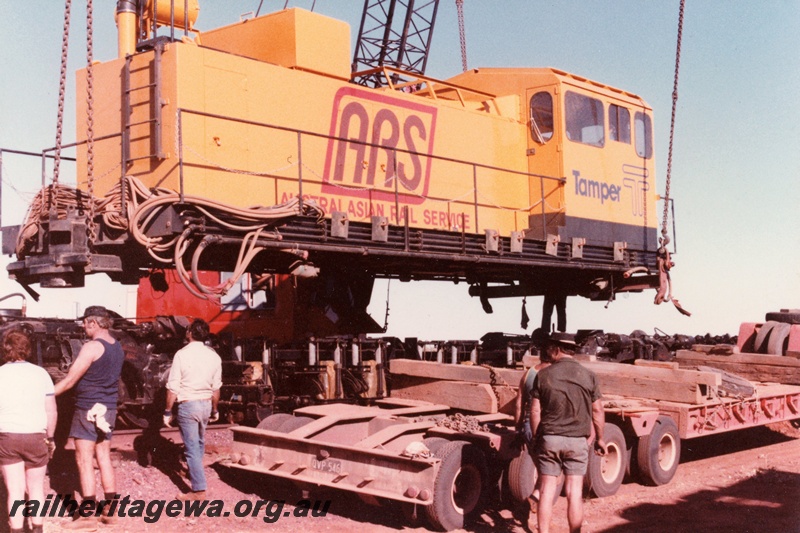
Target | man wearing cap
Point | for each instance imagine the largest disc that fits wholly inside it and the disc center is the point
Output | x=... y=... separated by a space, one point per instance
x=194 y=382
x=94 y=375
x=566 y=405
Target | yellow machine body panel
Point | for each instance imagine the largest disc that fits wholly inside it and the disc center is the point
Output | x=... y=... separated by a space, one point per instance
x=256 y=117
x=292 y=38
x=598 y=138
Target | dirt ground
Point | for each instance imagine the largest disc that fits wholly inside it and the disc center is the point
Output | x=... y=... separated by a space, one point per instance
x=748 y=481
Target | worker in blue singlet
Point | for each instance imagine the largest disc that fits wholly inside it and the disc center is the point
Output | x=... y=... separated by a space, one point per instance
x=95 y=376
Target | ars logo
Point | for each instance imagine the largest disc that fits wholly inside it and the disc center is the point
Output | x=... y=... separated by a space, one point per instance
x=379 y=147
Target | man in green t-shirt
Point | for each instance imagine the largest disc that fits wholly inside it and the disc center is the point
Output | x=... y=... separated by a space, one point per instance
x=565 y=406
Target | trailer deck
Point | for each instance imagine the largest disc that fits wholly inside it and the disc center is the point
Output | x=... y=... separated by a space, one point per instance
x=443 y=458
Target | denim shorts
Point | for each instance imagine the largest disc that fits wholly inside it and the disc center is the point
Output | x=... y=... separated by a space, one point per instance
x=555 y=453
x=82 y=429
x=29 y=448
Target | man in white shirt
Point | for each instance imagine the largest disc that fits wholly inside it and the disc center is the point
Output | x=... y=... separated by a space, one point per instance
x=194 y=382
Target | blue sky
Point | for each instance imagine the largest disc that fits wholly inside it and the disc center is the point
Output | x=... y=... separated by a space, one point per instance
x=736 y=162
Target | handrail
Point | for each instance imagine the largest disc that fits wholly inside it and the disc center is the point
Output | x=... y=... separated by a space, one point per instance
x=419 y=78
x=364 y=143
x=474 y=202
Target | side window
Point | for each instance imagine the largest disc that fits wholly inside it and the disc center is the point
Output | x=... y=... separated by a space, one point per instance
x=542 y=117
x=584 y=116
x=643 y=131
x=619 y=124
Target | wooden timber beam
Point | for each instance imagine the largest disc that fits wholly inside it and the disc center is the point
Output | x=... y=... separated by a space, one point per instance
x=653 y=383
x=463 y=395
x=755 y=367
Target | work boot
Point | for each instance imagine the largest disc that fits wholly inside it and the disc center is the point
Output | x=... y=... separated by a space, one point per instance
x=533 y=507
x=107 y=518
x=192 y=496
x=82 y=523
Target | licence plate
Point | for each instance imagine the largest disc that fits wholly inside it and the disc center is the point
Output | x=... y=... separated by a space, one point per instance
x=332 y=466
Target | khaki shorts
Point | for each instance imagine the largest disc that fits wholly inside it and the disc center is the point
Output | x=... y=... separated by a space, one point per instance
x=30 y=448
x=554 y=454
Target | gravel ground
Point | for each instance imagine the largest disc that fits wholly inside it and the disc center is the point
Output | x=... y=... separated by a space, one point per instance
x=746 y=481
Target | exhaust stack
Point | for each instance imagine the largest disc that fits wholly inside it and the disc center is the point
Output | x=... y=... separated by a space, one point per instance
x=127 y=24
x=133 y=14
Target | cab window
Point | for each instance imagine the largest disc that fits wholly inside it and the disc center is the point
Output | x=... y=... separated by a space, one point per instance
x=542 y=117
x=584 y=117
x=619 y=124
x=643 y=132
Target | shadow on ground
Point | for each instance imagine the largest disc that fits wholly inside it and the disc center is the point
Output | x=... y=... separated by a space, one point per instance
x=764 y=503
x=497 y=515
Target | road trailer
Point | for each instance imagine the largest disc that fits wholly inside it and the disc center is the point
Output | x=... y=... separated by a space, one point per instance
x=442 y=461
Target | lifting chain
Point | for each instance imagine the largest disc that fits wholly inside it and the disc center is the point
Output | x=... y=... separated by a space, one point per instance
x=462 y=35
x=664 y=237
x=91 y=226
x=492 y=380
x=663 y=259
x=62 y=89
x=493 y=377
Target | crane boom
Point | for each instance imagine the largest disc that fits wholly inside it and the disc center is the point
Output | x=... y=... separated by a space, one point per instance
x=395 y=33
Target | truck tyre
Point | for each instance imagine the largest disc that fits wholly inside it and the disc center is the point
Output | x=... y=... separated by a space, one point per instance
x=778 y=339
x=413 y=513
x=293 y=423
x=458 y=487
x=522 y=476
x=604 y=475
x=659 y=452
x=273 y=422
x=789 y=316
x=434 y=443
x=259 y=413
x=761 y=344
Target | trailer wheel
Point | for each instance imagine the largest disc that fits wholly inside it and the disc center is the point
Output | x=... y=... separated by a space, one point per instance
x=604 y=474
x=260 y=412
x=293 y=423
x=413 y=513
x=434 y=443
x=522 y=476
x=273 y=422
x=459 y=484
x=659 y=452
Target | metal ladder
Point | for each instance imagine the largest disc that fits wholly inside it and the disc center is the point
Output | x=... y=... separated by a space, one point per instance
x=156 y=103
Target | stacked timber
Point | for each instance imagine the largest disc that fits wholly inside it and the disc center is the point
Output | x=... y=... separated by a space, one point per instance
x=656 y=382
x=479 y=389
x=755 y=367
x=482 y=389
